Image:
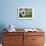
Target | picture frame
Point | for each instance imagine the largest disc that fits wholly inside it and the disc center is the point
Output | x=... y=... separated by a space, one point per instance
x=25 y=13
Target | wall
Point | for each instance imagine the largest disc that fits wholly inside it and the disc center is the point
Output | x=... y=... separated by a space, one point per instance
x=9 y=13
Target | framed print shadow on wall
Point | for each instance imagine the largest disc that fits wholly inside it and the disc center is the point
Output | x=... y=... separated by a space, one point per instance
x=25 y=13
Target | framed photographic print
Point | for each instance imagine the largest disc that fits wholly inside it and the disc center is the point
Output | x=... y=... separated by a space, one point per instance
x=25 y=13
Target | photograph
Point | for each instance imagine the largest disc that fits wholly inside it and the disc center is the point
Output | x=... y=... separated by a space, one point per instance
x=25 y=13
